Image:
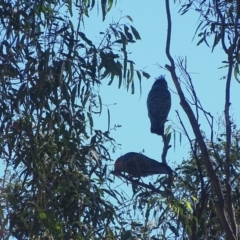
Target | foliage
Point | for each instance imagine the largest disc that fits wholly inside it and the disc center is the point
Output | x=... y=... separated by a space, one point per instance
x=219 y=23
x=56 y=161
x=203 y=202
x=212 y=183
x=56 y=183
x=194 y=187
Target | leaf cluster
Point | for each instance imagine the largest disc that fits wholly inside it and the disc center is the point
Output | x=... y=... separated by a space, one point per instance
x=51 y=74
x=218 y=23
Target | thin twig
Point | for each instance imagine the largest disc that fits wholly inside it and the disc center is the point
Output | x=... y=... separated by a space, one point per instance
x=220 y=206
x=148 y=186
x=228 y=122
x=194 y=152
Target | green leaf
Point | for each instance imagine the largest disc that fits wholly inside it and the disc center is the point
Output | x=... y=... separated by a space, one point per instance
x=140 y=82
x=73 y=94
x=135 y=33
x=132 y=87
x=110 y=4
x=119 y=67
x=185 y=8
x=225 y=66
x=236 y=72
x=128 y=17
x=105 y=74
x=131 y=72
x=128 y=77
x=168 y=138
x=104 y=8
x=90 y=120
x=168 y=129
x=174 y=140
x=146 y=75
x=111 y=79
x=42 y=215
x=188 y=205
x=124 y=64
x=108 y=120
x=100 y=104
x=216 y=40
x=201 y=40
x=147 y=212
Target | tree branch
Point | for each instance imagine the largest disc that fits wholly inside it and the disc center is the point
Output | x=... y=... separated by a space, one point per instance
x=230 y=53
x=165 y=147
x=220 y=206
x=147 y=186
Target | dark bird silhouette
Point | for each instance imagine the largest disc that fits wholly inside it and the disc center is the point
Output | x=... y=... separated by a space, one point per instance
x=158 y=105
x=139 y=165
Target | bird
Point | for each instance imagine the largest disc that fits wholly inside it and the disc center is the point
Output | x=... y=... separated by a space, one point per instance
x=139 y=165
x=158 y=105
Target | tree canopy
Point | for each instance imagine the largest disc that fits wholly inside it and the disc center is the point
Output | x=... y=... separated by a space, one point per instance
x=57 y=183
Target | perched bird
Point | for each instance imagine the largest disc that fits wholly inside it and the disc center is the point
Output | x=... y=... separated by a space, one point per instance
x=158 y=105
x=139 y=165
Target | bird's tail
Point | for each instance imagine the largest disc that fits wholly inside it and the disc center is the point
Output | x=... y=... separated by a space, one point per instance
x=160 y=168
x=159 y=130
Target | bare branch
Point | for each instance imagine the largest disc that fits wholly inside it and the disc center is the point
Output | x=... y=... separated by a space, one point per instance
x=193 y=151
x=142 y=184
x=220 y=205
x=165 y=148
x=229 y=131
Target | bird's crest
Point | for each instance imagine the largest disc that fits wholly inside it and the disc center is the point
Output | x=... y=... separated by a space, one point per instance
x=161 y=77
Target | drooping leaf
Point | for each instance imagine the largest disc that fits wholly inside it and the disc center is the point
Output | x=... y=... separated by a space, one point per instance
x=135 y=33
x=146 y=75
x=104 y=8
x=236 y=72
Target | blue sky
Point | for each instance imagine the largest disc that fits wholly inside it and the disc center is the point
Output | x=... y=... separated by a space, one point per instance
x=130 y=111
x=149 y=18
